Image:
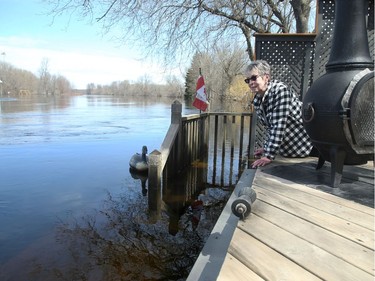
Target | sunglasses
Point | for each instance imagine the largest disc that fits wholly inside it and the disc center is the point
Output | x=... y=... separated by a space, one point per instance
x=252 y=78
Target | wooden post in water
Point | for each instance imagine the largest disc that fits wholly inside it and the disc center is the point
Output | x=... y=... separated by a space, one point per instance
x=154 y=183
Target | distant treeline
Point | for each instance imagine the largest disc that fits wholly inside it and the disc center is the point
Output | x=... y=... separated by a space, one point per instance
x=143 y=87
x=222 y=70
x=15 y=81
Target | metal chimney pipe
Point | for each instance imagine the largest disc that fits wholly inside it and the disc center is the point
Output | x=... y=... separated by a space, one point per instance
x=350 y=43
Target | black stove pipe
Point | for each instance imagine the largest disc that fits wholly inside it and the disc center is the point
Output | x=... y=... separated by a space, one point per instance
x=350 y=43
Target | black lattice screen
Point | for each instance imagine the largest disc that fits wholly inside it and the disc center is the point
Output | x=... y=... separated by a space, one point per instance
x=290 y=56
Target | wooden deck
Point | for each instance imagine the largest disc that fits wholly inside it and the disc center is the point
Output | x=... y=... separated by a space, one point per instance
x=297 y=230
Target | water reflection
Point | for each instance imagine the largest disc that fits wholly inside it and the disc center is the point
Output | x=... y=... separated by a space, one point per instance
x=120 y=243
x=124 y=241
x=143 y=177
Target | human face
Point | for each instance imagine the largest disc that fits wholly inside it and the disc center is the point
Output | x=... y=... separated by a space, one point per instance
x=257 y=83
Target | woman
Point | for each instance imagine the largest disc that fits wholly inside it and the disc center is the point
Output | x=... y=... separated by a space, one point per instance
x=279 y=110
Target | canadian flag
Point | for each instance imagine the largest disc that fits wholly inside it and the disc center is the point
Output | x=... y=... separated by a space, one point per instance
x=200 y=100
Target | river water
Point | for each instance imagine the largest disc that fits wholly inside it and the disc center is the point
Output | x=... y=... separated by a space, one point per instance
x=69 y=207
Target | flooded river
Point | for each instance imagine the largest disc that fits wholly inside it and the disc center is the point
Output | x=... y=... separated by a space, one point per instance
x=69 y=207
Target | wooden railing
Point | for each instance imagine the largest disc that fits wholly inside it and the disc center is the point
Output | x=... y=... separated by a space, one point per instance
x=233 y=140
x=220 y=141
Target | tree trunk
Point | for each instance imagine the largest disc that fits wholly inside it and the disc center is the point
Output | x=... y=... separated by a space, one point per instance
x=301 y=10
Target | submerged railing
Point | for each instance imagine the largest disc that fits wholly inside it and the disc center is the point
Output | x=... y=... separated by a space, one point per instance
x=214 y=146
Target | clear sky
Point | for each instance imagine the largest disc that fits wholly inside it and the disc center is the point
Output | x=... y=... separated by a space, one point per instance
x=75 y=49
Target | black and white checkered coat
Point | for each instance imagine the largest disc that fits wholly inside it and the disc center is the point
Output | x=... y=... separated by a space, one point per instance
x=280 y=113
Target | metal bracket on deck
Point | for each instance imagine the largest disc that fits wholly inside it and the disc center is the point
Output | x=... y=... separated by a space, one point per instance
x=241 y=207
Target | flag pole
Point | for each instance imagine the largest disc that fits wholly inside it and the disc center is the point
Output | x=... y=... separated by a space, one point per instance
x=200 y=74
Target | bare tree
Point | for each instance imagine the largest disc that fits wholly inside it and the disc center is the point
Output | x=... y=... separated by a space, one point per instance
x=44 y=76
x=172 y=29
x=219 y=67
x=19 y=81
x=62 y=85
x=173 y=87
x=143 y=85
x=16 y=80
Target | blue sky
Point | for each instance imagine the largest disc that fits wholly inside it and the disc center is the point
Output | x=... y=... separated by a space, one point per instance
x=74 y=48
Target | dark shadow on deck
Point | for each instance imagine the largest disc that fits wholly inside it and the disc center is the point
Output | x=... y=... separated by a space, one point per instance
x=357 y=182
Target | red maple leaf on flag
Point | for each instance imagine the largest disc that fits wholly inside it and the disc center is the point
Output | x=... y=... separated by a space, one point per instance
x=200 y=100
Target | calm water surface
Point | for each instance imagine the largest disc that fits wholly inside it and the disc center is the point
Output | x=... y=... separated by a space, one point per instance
x=69 y=207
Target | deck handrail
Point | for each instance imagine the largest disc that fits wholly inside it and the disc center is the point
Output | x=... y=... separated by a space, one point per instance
x=186 y=140
x=168 y=142
x=158 y=159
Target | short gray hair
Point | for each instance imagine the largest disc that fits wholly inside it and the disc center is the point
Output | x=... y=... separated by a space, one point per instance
x=261 y=65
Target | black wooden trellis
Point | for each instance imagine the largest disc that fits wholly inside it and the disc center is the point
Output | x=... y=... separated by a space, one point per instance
x=290 y=57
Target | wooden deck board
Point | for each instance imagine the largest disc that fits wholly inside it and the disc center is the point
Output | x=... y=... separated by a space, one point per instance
x=335 y=244
x=237 y=271
x=318 y=193
x=353 y=216
x=300 y=252
x=264 y=260
x=357 y=181
x=296 y=231
x=326 y=221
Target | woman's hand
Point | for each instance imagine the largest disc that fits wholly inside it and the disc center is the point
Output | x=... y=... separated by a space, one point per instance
x=261 y=162
x=258 y=153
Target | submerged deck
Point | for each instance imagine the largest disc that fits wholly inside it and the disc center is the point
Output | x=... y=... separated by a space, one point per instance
x=299 y=228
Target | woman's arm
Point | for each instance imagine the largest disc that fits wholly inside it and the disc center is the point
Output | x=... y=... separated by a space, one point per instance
x=277 y=113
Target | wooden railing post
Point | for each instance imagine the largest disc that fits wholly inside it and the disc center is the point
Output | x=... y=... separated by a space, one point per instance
x=154 y=183
x=176 y=112
x=176 y=118
x=204 y=131
x=254 y=137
